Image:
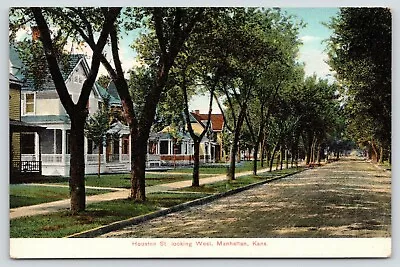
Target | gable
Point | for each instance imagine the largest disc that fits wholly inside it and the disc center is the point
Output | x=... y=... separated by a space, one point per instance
x=217 y=120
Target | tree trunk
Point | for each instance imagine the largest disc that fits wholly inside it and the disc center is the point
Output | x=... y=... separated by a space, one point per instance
x=255 y=158
x=262 y=153
x=196 y=164
x=235 y=145
x=77 y=163
x=271 y=160
x=319 y=154
x=286 y=159
x=99 y=159
x=308 y=152
x=281 y=158
x=232 y=162
x=138 y=168
x=381 y=155
x=268 y=154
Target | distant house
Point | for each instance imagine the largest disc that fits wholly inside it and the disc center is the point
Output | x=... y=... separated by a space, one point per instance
x=18 y=130
x=214 y=133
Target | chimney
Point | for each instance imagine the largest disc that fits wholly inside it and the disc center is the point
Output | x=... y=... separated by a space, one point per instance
x=197 y=112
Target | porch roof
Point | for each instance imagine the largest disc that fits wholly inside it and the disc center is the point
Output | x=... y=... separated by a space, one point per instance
x=20 y=126
x=118 y=128
x=167 y=136
x=46 y=119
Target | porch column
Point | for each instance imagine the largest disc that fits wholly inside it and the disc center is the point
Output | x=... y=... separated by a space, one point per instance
x=40 y=154
x=37 y=147
x=120 y=148
x=214 y=153
x=158 y=148
x=169 y=147
x=63 y=144
x=204 y=152
x=105 y=151
x=85 y=148
x=54 y=141
x=130 y=149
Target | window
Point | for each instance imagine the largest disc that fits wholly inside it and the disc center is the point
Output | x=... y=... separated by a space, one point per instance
x=78 y=78
x=178 y=149
x=125 y=145
x=29 y=103
x=152 y=147
x=164 y=147
x=27 y=143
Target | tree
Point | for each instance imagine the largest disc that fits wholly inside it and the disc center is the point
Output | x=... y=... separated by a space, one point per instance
x=246 y=66
x=77 y=112
x=172 y=27
x=103 y=80
x=196 y=71
x=360 y=54
x=96 y=128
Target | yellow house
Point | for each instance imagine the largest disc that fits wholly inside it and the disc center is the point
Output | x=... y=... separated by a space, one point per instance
x=15 y=115
x=17 y=127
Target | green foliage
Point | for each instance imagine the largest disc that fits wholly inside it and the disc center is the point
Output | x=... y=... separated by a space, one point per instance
x=360 y=54
x=98 y=124
x=104 y=80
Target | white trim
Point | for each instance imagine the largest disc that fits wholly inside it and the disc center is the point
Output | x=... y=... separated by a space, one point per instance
x=86 y=70
x=63 y=144
x=23 y=106
x=73 y=70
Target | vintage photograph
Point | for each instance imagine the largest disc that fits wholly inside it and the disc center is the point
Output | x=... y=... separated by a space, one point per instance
x=200 y=132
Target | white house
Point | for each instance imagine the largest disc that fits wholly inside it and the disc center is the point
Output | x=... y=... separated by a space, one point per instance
x=42 y=107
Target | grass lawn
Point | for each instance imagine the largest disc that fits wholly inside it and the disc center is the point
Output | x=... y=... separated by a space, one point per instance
x=123 y=180
x=62 y=224
x=223 y=186
x=221 y=168
x=25 y=195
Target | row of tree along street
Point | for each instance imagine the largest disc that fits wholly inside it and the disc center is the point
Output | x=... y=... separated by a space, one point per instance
x=244 y=58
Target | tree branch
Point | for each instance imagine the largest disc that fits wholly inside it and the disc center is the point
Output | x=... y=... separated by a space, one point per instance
x=51 y=58
x=158 y=23
x=97 y=53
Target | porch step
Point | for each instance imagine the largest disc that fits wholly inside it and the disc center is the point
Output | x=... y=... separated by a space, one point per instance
x=118 y=168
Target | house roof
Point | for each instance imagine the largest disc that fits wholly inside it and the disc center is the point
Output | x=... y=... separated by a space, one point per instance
x=165 y=136
x=28 y=81
x=217 y=120
x=114 y=100
x=17 y=67
x=119 y=128
x=112 y=90
x=14 y=80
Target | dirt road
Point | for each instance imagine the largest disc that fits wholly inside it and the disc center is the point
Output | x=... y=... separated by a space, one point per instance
x=348 y=198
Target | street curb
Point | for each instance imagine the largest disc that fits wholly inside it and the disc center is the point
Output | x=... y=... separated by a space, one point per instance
x=142 y=218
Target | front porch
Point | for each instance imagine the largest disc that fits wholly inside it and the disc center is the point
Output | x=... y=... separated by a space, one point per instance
x=20 y=168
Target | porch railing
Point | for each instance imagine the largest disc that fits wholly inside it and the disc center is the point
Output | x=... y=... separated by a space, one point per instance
x=25 y=167
x=54 y=158
x=125 y=158
x=94 y=158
